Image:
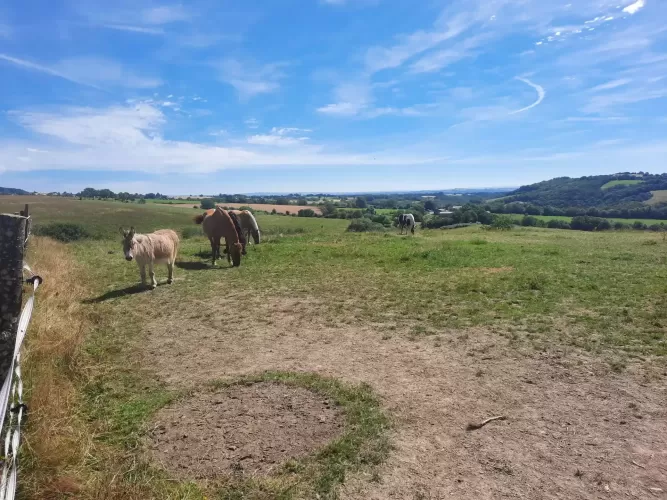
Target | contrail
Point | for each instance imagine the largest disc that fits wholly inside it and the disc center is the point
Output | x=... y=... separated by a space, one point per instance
x=540 y=95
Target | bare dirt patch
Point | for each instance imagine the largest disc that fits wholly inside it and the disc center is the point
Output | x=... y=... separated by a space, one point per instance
x=575 y=430
x=247 y=430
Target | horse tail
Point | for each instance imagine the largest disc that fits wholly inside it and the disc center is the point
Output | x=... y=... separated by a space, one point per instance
x=200 y=218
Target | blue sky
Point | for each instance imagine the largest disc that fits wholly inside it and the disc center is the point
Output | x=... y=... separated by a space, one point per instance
x=341 y=95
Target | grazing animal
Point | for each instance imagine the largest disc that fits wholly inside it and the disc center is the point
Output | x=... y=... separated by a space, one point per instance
x=160 y=247
x=239 y=231
x=406 y=221
x=217 y=224
x=248 y=224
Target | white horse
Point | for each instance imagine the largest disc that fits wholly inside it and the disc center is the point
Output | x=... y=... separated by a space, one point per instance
x=406 y=221
x=160 y=247
x=248 y=225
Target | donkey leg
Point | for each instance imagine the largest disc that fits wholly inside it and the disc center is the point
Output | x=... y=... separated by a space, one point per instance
x=151 y=272
x=142 y=272
x=170 y=266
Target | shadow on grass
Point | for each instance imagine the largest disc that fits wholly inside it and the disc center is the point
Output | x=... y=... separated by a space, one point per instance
x=113 y=294
x=202 y=266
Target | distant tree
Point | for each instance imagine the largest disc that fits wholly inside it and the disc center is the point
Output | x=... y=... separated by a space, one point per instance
x=88 y=193
x=639 y=225
x=142 y=201
x=282 y=200
x=274 y=212
x=430 y=205
x=207 y=204
x=360 y=202
x=328 y=209
x=306 y=212
x=302 y=201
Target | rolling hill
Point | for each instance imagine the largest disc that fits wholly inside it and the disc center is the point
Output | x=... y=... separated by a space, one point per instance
x=6 y=190
x=625 y=190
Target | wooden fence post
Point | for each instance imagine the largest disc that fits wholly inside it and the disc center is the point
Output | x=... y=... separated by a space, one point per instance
x=12 y=246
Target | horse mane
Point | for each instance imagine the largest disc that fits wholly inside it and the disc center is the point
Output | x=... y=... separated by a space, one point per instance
x=251 y=218
x=239 y=231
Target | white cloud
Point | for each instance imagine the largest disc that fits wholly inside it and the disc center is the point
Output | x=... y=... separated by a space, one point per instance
x=635 y=7
x=91 y=72
x=165 y=14
x=91 y=127
x=250 y=79
x=129 y=139
x=540 y=95
x=252 y=123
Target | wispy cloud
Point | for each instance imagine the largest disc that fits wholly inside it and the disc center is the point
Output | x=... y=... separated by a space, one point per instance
x=612 y=84
x=252 y=123
x=540 y=95
x=281 y=137
x=352 y=99
x=135 y=29
x=251 y=79
x=165 y=14
x=129 y=138
x=91 y=72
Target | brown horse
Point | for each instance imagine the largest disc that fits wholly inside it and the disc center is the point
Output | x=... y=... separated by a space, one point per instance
x=217 y=224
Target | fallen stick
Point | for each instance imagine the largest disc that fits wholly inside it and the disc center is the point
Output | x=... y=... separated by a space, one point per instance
x=638 y=465
x=474 y=427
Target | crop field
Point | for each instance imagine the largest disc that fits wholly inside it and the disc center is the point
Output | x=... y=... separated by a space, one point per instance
x=405 y=340
x=627 y=182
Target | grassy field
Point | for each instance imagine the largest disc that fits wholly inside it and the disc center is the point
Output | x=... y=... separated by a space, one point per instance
x=658 y=197
x=534 y=290
x=627 y=182
x=648 y=222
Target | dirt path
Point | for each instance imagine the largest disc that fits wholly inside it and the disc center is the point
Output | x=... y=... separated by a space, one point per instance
x=574 y=430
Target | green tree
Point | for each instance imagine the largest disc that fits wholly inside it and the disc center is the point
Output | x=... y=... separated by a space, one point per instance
x=360 y=202
x=207 y=204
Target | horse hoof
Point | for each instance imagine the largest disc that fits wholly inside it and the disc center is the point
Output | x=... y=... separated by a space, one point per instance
x=169 y=282
x=153 y=287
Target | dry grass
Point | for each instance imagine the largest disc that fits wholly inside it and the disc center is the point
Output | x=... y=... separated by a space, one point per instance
x=657 y=198
x=57 y=440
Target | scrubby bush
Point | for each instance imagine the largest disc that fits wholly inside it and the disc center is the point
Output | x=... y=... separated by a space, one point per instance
x=502 y=222
x=274 y=212
x=306 y=212
x=207 y=204
x=558 y=224
x=381 y=219
x=529 y=220
x=63 y=231
x=364 y=225
x=639 y=225
x=589 y=223
x=618 y=225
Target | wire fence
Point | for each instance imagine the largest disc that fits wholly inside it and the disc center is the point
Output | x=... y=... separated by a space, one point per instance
x=11 y=395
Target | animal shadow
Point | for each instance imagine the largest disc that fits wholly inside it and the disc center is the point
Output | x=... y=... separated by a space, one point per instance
x=113 y=294
x=199 y=266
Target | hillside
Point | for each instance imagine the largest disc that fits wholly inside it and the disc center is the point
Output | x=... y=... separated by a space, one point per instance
x=601 y=191
x=5 y=190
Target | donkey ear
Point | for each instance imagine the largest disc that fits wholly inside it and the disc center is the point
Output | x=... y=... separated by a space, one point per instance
x=131 y=233
x=122 y=232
